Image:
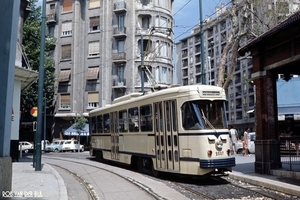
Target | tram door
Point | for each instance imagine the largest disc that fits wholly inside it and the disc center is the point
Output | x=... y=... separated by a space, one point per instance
x=166 y=137
x=114 y=135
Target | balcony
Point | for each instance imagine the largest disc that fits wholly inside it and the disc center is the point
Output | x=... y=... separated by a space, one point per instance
x=120 y=7
x=119 y=83
x=119 y=32
x=119 y=57
x=51 y=18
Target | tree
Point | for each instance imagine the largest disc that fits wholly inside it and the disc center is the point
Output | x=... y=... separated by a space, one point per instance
x=250 y=18
x=31 y=47
x=79 y=125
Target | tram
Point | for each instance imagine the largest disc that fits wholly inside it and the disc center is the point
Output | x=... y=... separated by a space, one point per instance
x=181 y=129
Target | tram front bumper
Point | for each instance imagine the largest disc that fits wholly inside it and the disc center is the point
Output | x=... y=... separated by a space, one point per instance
x=217 y=163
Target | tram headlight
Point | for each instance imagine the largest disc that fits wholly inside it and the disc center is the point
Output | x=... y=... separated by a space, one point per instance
x=219 y=144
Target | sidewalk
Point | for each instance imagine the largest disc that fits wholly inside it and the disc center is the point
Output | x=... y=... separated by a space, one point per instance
x=48 y=184
x=30 y=184
x=281 y=180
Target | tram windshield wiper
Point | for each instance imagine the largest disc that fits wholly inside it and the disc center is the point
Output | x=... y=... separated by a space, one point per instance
x=207 y=121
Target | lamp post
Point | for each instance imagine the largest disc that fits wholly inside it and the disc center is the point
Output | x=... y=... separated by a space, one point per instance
x=38 y=165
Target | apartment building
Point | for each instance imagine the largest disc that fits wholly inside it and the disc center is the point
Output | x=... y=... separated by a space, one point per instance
x=98 y=53
x=241 y=97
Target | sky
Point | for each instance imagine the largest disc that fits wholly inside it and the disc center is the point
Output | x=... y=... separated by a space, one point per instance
x=187 y=15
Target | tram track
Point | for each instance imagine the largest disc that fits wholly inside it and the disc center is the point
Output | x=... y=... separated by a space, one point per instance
x=86 y=185
x=91 y=189
x=223 y=188
x=212 y=188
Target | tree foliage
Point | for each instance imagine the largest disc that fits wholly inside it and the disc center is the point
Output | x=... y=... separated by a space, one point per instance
x=79 y=123
x=250 y=18
x=31 y=47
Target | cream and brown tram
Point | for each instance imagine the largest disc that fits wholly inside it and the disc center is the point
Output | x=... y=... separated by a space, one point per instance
x=178 y=130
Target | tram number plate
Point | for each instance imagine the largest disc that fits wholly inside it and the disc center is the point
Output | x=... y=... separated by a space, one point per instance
x=219 y=153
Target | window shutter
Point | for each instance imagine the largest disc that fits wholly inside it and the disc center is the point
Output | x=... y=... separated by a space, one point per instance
x=94 y=48
x=66 y=26
x=93 y=97
x=65 y=99
x=94 y=3
x=67 y=5
x=94 y=21
x=66 y=51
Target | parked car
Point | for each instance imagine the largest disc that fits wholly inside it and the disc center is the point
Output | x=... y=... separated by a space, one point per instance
x=239 y=144
x=55 y=146
x=72 y=145
x=42 y=144
x=26 y=146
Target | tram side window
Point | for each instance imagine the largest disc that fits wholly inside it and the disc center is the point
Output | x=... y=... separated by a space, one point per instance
x=123 y=121
x=99 y=124
x=93 y=125
x=146 y=118
x=174 y=114
x=133 y=116
x=106 y=123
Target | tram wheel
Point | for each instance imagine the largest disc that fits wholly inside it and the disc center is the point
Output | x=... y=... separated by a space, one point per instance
x=153 y=171
x=140 y=166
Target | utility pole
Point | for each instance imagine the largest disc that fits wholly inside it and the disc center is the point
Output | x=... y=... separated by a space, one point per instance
x=142 y=64
x=38 y=165
x=202 y=45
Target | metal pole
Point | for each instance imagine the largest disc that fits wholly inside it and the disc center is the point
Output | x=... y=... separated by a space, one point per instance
x=40 y=92
x=202 y=44
x=142 y=63
x=44 y=122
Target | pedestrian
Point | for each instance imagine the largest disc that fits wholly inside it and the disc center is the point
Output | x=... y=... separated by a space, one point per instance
x=234 y=138
x=246 y=141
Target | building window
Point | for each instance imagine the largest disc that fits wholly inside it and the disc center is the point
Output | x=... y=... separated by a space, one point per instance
x=145 y=22
x=157 y=73
x=94 y=3
x=65 y=101
x=67 y=5
x=66 y=28
x=164 y=75
x=120 y=44
x=163 y=50
x=51 y=31
x=66 y=52
x=93 y=100
x=94 y=24
x=52 y=6
x=94 y=48
x=161 y=3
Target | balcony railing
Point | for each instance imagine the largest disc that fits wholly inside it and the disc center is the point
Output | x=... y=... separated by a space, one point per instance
x=119 y=82
x=51 y=18
x=120 y=31
x=120 y=56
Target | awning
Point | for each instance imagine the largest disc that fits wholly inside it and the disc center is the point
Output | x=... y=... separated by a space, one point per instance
x=64 y=76
x=73 y=132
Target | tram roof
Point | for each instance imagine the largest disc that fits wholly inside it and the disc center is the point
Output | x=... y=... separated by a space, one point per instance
x=208 y=92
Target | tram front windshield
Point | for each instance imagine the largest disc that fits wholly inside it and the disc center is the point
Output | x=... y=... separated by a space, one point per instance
x=199 y=115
